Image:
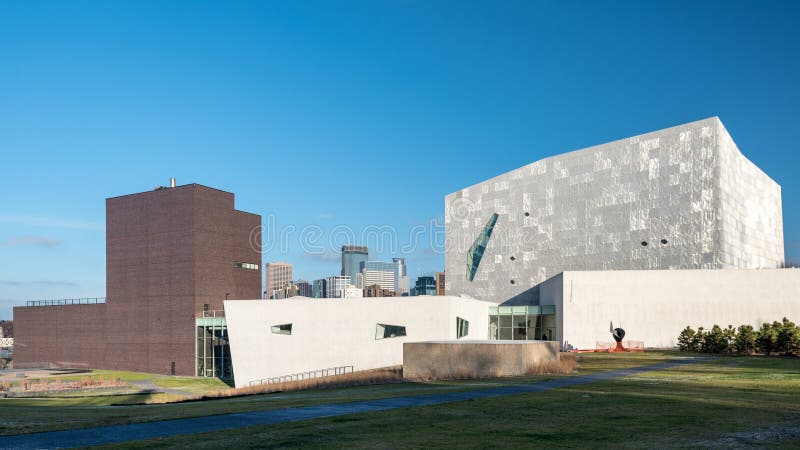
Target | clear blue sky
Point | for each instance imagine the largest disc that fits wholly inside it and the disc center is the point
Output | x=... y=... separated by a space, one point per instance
x=353 y=113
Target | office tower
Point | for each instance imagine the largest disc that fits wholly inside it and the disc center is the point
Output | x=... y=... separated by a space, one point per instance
x=440 y=286
x=380 y=273
x=336 y=285
x=318 y=288
x=304 y=288
x=278 y=275
x=377 y=291
x=353 y=258
x=425 y=286
x=400 y=276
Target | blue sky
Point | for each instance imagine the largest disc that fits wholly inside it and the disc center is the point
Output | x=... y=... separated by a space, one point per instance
x=353 y=114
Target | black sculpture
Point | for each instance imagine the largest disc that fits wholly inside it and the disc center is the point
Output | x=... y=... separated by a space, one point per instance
x=618 y=333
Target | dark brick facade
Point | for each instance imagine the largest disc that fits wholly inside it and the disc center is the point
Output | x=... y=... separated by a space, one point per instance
x=60 y=336
x=169 y=252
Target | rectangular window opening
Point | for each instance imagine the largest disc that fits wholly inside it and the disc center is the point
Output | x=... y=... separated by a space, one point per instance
x=285 y=328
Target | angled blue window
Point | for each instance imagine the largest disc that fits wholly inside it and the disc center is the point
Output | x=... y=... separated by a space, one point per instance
x=478 y=247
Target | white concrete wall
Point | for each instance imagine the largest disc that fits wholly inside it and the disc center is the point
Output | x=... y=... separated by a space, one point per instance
x=655 y=305
x=338 y=332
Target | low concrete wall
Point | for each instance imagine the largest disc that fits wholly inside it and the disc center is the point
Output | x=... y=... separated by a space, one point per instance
x=474 y=359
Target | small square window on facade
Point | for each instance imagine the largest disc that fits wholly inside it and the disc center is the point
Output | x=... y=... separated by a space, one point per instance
x=462 y=327
x=244 y=265
x=383 y=331
x=282 y=329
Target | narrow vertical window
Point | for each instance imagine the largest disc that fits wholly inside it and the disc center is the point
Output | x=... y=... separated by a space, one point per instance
x=475 y=253
x=462 y=327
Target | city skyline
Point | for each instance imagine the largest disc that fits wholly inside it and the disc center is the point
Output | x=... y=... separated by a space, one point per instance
x=477 y=89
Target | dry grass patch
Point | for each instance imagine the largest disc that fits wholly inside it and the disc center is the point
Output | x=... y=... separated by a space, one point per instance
x=361 y=378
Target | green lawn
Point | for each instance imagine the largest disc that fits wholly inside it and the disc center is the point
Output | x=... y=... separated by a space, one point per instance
x=698 y=405
x=687 y=406
x=194 y=385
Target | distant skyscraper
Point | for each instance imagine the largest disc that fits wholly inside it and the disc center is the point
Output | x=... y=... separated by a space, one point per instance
x=278 y=275
x=336 y=286
x=318 y=288
x=353 y=258
x=380 y=273
x=304 y=288
x=376 y=291
x=425 y=286
x=440 y=285
x=400 y=277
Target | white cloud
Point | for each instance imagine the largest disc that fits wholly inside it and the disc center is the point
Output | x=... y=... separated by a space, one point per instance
x=51 y=222
x=38 y=283
x=37 y=241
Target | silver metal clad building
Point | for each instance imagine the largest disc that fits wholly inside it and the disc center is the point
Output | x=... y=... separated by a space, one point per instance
x=680 y=198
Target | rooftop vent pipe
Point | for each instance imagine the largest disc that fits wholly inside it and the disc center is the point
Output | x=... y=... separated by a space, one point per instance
x=172 y=182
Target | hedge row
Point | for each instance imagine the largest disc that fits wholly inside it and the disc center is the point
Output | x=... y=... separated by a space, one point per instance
x=776 y=337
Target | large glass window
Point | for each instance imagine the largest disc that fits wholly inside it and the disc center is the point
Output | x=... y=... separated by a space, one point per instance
x=212 y=349
x=522 y=323
x=383 y=331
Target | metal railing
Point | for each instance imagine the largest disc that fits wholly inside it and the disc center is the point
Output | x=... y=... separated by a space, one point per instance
x=67 y=301
x=321 y=373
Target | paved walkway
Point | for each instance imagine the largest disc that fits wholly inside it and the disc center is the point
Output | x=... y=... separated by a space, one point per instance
x=124 y=433
x=149 y=386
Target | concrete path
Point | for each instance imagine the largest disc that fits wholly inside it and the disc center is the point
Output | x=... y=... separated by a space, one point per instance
x=149 y=386
x=124 y=433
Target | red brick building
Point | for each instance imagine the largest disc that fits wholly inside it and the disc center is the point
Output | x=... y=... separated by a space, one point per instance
x=171 y=254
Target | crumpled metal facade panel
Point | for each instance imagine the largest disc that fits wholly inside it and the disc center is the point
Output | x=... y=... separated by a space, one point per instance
x=679 y=198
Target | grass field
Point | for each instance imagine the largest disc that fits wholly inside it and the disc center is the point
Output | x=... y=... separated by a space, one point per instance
x=703 y=404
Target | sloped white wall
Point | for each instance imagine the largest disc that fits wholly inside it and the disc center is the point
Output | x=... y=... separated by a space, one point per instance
x=338 y=332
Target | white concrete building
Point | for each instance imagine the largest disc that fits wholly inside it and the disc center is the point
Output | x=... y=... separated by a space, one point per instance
x=270 y=339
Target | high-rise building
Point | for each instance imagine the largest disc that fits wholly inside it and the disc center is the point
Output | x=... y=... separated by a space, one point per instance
x=400 y=276
x=377 y=291
x=336 y=285
x=304 y=288
x=278 y=275
x=319 y=288
x=440 y=286
x=173 y=255
x=353 y=258
x=380 y=273
x=287 y=291
x=424 y=286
